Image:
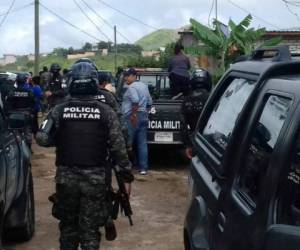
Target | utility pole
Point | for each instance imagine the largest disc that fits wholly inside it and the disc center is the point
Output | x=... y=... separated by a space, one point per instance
x=36 y=37
x=216 y=10
x=116 y=49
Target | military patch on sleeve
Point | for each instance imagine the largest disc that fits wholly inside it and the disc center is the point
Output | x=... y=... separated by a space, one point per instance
x=82 y=113
x=100 y=98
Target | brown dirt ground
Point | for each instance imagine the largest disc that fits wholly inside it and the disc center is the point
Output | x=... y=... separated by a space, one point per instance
x=158 y=202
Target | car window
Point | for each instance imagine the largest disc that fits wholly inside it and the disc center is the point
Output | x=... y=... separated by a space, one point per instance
x=165 y=90
x=150 y=80
x=262 y=142
x=223 y=118
x=158 y=85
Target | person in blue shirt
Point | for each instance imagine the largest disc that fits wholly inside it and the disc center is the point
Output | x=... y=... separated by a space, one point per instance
x=38 y=97
x=135 y=107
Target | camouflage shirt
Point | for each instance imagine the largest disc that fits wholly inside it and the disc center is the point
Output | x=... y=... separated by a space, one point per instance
x=111 y=100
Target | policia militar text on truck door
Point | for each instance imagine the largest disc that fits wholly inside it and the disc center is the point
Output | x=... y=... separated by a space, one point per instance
x=245 y=177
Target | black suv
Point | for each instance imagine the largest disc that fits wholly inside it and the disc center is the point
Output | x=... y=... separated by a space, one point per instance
x=16 y=186
x=245 y=176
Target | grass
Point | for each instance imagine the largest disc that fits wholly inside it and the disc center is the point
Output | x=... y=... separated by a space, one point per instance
x=158 y=39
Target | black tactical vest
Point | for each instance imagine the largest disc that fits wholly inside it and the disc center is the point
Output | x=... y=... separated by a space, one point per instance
x=55 y=83
x=192 y=106
x=194 y=102
x=21 y=99
x=82 y=136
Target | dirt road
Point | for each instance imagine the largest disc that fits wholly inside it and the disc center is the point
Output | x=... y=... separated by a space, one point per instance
x=158 y=201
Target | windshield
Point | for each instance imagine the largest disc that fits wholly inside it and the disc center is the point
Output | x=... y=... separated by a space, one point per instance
x=159 y=86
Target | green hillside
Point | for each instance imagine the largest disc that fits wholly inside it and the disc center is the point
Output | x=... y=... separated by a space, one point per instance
x=102 y=62
x=157 y=39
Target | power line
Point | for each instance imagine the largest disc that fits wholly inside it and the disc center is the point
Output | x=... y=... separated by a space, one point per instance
x=8 y=11
x=104 y=20
x=18 y=9
x=248 y=12
x=131 y=17
x=293 y=3
x=69 y=23
x=91 y=20
x=287 y=3
x=210 y=11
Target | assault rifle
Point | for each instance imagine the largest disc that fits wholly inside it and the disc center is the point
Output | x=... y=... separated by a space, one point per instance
x=121 y=199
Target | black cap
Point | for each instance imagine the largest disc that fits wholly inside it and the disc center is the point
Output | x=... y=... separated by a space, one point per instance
x=130 y=71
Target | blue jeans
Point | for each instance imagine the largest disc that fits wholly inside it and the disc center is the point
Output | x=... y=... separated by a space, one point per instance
x=138 y=134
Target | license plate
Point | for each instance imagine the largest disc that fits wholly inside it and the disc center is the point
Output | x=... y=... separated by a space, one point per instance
x=163 y=137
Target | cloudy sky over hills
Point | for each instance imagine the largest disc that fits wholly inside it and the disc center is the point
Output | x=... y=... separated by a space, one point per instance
x=17 y=32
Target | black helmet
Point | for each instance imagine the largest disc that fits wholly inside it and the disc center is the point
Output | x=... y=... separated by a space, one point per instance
x=201 y=79
x=55 y=68
x=87 y=60
x=21 y=78
x=84 y=79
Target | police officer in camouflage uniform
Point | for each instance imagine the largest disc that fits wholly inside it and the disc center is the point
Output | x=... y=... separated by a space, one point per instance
x=192 y=105
x=55 y=90
x=22 y=100
x=84 y=131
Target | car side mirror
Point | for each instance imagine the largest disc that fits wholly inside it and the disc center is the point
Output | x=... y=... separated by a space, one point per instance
x=282 y=237
x=16 y=121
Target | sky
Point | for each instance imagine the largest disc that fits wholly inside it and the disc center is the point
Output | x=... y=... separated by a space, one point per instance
x=17 y=31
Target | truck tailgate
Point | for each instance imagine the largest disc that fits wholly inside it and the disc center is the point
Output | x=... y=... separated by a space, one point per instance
x=165 y=123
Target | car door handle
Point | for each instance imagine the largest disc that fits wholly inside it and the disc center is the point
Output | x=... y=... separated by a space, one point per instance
x=221 y=222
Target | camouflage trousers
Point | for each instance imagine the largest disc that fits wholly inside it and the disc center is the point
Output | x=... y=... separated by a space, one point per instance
x=81 y=208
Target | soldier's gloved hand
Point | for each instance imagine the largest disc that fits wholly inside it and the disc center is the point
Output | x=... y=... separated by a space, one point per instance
x=127 y=176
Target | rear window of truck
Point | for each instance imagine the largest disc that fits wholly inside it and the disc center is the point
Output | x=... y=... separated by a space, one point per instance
x=159 y=86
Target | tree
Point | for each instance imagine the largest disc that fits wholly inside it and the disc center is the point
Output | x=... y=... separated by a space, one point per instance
x=71 y=50
x=87 y=47
x=167 y=55
x=240 y=41
x=60 y=52
x=104 y=45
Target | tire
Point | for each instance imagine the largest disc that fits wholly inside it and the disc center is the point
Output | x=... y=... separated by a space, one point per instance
x=26 y=231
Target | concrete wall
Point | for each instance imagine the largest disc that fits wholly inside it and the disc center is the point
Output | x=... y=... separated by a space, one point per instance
x=78 y=56
x=104 y=52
